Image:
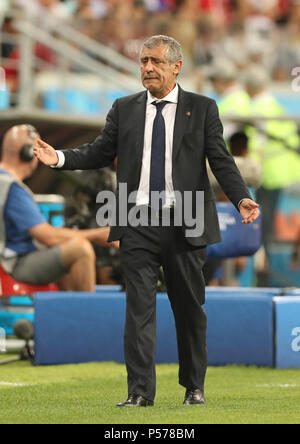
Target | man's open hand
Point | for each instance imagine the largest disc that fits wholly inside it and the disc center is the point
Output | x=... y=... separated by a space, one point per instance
x=45 y=153
x=249 y=211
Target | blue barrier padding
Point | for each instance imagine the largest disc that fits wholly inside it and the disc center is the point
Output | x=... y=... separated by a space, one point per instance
x=108 y=288
x=240 y=329
x=287 y=332
x=83 y=327
x=238 y=239
x=243 y=291
x=78 y=327
x=292 y=292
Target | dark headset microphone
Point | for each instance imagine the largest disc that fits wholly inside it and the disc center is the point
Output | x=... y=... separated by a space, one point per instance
x=27 y=150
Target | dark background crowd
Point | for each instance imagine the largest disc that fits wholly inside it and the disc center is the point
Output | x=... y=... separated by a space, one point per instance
x=246 y=31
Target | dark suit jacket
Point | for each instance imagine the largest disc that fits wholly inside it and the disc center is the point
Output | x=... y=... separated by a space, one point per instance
x=198 y=134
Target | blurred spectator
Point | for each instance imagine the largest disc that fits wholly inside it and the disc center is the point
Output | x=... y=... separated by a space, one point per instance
x=160 y=5
x=87 y=9
x=183 y=28
x=220 y=9
x=274 y=144
x=54 y=7
x=242 y=31
x=8 y=52
x=36 y=8
x=250 y=169
x=233 y=100
x=288 y=52
x=4 y=5
x=204 y=45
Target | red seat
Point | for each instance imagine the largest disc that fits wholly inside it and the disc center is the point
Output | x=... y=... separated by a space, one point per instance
x=10 y=287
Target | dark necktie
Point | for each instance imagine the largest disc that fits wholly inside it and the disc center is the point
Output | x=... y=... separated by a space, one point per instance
x=158 y=155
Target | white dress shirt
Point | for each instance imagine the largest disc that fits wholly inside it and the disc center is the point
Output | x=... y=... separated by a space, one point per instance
x=169 y=114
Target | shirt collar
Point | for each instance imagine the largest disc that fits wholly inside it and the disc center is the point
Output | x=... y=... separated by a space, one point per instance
x=172 y=97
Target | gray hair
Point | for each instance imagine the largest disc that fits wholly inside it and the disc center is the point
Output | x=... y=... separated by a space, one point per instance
x=174 y=52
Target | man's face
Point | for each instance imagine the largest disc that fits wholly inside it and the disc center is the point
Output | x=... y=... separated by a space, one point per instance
x=158 y=74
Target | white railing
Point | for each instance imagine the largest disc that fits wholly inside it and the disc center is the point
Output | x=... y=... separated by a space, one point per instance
x=71 y=48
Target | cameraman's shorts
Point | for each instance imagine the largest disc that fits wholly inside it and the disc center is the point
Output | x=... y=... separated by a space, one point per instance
x=40 y=267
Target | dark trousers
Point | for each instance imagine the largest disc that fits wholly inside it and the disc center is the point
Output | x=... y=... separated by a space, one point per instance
x=143 y=251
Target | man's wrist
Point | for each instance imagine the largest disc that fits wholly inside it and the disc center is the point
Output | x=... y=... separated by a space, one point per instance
x=241 y=201
x=61 y=160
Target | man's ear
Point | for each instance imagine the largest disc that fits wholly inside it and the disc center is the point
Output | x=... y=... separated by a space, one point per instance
x=178 y=67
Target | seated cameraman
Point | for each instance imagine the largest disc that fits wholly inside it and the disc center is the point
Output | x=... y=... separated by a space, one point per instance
x=31 y=250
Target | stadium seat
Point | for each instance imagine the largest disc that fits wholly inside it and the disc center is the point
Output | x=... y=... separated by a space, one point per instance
x=10 y=287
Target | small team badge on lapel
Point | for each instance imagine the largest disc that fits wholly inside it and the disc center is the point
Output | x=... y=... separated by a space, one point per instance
x=188 y=114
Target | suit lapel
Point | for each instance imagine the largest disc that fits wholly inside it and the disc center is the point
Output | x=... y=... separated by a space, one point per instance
x=139 y=119
x=181 y=120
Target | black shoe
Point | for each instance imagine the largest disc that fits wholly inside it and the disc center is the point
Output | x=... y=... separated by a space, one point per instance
x=194 y=397
x=136 y=401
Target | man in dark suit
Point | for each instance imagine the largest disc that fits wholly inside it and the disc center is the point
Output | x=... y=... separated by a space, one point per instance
x=162 y=138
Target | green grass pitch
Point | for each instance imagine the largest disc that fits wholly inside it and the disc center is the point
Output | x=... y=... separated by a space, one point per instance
x=88 y=393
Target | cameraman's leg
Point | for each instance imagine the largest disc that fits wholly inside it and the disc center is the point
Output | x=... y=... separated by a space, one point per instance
x=79 y=258
x=74 y=259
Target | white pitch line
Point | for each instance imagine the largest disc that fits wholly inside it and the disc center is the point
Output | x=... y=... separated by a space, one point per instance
x=13 y=384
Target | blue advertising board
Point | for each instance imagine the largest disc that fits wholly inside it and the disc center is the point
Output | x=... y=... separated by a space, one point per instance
x=287 y=312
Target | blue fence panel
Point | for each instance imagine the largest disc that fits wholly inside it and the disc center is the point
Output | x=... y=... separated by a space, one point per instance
x=287 y=332
x=78 y=327
x=240 y=329
x=83 y=327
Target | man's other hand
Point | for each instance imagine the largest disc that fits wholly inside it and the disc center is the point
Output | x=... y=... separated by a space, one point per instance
x=249 y=211
x=102 y=236
x=45 y=153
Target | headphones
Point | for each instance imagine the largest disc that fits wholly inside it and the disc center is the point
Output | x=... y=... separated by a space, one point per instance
x=27 y=153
